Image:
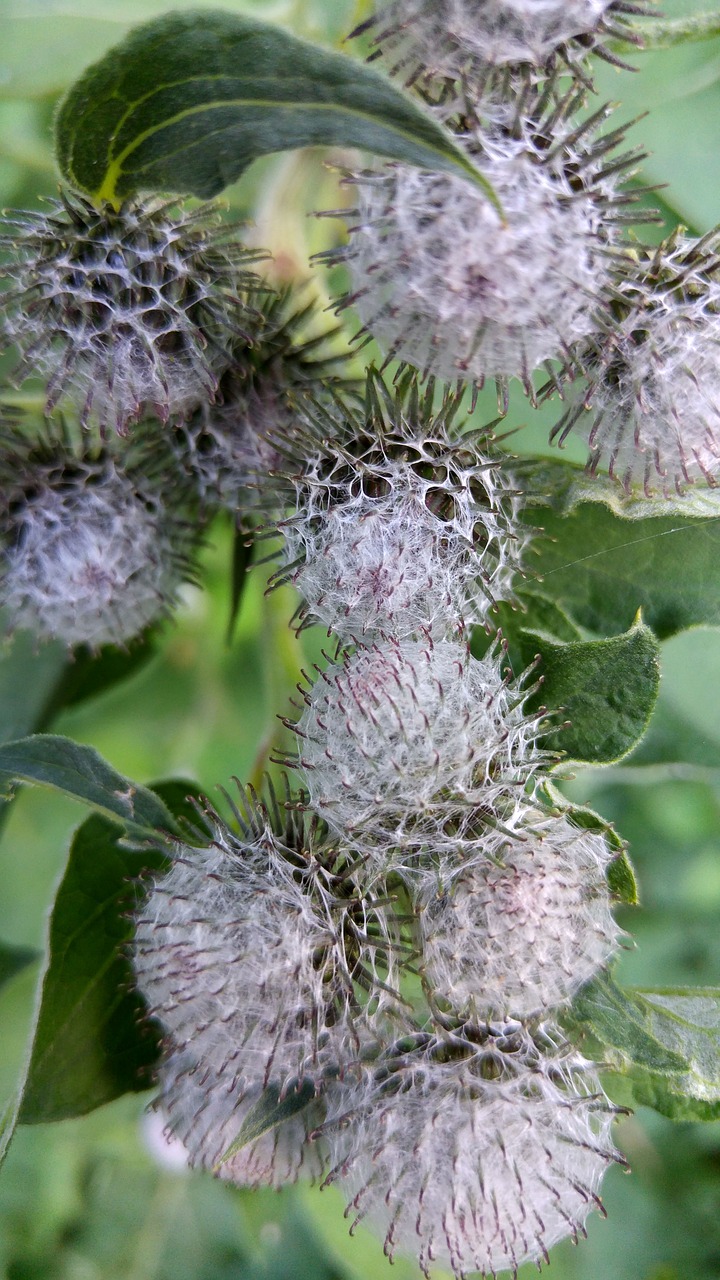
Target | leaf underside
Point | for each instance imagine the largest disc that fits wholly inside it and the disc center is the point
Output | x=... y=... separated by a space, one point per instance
x=665 y=1044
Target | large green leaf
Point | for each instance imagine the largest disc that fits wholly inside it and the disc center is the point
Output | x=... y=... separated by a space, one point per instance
x=606 y=688
x=603 y=555
x=80 y=771
x=90 y=1043
x=665 y=1044
x=187 y=101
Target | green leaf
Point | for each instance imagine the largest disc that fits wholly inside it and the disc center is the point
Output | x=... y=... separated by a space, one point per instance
x=604 y=556
x=91 y=1042
x=88 y=674
x=622 y=880
x=676 y=31
x=665 y=1043
x=607 y=688
x=269 y=1111
x=29 y=673
x=13 y=960
x=187 y=101
x=81 y=772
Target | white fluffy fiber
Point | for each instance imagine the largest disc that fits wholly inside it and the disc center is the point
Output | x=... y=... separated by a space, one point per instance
x=445 y=36
x=90 y=561
x=521 y=933
x=399 y=739
x=419 y=537
x=125 y=314
x=207 y=1115
x=655 y=406
x=441 y=282
x=244 y=961
x=479 y=1165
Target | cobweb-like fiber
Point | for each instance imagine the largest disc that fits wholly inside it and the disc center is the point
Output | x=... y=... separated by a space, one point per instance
x=124 y=313
x=520 y=933
x=399 y=527
x=479 y=1164
x=87 y=558
x=399 y=740
x=440 y=281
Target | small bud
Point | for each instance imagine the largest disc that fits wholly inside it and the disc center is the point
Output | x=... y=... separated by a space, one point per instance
x=247 y=953
x=124 y=312
x=232 y=445
x=520 y=933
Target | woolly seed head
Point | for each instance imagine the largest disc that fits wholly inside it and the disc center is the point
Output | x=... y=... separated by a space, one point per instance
x=127 y=311
x=653 y=397
x=89 y=553
x=207 y=1117
x=441 y=281
x=249 y=954
x=400 y=739
x=400 y=527
x=522 y=932
x=469 y=37
x=232 y=444
x=480 y=1163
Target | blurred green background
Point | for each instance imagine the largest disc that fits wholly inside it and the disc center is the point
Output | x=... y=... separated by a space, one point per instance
x=96 y=1199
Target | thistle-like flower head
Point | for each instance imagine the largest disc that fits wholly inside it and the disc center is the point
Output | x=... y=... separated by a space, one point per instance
x=91 y=552
x=259 y=959
x=518 y=933
x=440 y=280
x=468 y=38
x=124 y=312
x=477 y=1157
x=231 y=444
x=651 y=405
x=401 y=525
x=401 y=742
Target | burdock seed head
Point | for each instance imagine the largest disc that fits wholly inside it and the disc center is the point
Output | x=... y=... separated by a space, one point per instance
x=124 y=312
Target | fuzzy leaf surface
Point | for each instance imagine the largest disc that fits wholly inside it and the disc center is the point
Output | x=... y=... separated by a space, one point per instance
x=81 y=772
x=87 y=1046
x=269 y=1111
x=607 y=689
x=187 y=101
x=665 y=1043
x=604 y=555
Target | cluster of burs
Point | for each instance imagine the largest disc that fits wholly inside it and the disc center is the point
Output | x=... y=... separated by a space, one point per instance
x=377 y=955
